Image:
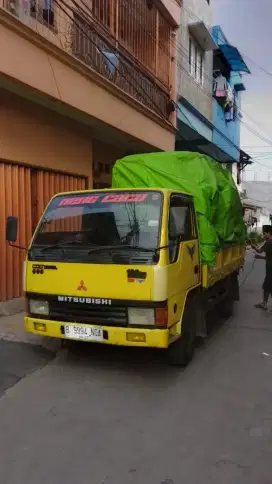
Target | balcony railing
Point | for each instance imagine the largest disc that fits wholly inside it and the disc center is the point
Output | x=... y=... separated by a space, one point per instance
x=75 y=32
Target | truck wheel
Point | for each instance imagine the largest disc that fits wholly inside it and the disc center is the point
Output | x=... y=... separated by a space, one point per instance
x=225 y=308
x=181 y=352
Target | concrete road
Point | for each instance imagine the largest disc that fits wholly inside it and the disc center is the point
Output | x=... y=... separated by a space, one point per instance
x=18 y=360
x=109 y=416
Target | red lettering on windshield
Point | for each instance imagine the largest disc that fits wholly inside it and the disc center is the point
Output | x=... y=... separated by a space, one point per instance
x=120 y=198
x=78 y=201
x=125 y=198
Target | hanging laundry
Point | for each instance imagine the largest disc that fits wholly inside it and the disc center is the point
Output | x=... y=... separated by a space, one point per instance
x=220 y=86
x=112 y=61
x=25 y=4
x=229 y=104
x=230 y=94
x=229 y=114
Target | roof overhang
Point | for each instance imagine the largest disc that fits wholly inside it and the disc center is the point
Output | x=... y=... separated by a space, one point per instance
x=202 y=35
x=245 y=158
x=188 y=139
x=244 y=161
x=250 y=204
x=234 y=58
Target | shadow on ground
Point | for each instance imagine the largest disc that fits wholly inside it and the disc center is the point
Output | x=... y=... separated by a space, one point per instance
x=107 y=356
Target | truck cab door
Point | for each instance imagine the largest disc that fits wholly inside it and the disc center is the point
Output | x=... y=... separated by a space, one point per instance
x=183 y=241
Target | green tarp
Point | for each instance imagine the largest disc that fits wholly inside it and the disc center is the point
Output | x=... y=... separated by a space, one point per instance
x=217 y=202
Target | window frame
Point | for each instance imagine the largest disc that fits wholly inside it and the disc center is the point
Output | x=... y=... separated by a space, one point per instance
x=196 y=61
x=192 y=226
x=187 y=201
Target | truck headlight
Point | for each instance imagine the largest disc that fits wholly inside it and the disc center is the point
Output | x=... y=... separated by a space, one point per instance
x=38 y=307
x=141 y=317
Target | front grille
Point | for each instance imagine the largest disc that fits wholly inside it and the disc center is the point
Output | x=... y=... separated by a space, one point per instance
x=85 y=313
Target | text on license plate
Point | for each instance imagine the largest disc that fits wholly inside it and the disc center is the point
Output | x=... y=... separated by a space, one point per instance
x=86 y=333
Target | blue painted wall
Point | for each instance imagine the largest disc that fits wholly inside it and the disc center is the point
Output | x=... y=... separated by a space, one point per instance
x=229 y=140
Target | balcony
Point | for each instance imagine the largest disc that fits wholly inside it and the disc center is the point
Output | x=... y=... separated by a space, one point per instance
x=73 y=28
x=173 y=9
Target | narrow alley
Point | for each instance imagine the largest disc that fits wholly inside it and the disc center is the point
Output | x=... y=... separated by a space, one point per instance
x=114 y=416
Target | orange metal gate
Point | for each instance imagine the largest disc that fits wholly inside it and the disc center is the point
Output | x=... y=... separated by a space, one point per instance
x=15 y=199
x=46 y=184
x=24 y=192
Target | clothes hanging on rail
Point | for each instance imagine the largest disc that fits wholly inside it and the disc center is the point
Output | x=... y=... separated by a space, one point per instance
x=220 y=86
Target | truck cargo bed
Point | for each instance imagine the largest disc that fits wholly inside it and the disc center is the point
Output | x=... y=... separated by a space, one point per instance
x=227 y=261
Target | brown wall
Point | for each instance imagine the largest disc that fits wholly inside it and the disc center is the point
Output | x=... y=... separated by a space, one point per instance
x=33 y=135
x=173 y=8
x=63 y=78
x=104 y=156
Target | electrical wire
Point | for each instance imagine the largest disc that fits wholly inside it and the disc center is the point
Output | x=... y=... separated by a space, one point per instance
x=90 y=15
x=248 y=274
x=101 y=52
x=268 y=141
x=82 y=12
x=196 y=17
x=185 y=53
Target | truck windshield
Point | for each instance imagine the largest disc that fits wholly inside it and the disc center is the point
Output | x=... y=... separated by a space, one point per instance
x=99 y=227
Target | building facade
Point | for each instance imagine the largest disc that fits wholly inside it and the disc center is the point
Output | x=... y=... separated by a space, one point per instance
x=228 y=86
x=209 y=89
x=257 y=201
x=82 y=83
x=194 y=76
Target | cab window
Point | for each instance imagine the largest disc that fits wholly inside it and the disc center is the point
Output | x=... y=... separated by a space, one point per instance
x=181 y=224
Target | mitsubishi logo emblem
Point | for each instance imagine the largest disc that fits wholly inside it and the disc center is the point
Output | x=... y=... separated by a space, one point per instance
x=82 y=286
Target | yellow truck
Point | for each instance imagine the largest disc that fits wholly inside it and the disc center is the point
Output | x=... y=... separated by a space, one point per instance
x=123 y=267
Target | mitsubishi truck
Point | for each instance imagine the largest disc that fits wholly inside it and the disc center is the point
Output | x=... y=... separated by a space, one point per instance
x=123 y=266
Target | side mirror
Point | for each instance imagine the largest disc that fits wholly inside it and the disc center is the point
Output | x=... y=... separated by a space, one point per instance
x=11 y=229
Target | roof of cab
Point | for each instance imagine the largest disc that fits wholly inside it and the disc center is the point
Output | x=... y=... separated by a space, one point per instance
x=114 y=190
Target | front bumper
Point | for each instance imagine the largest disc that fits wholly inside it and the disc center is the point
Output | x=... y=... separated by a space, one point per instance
x=153 y=338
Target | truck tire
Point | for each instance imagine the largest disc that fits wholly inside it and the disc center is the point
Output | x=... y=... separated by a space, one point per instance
x=181 y=352
x=226 y=307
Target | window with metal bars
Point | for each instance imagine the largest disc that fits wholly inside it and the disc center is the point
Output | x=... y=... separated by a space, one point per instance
x=103 y=11
x=140 y=28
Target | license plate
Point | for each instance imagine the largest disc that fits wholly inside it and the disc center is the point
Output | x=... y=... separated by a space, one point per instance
x=85 y=333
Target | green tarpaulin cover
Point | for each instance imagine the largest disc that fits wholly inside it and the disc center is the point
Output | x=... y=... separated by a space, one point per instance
x=217 y=202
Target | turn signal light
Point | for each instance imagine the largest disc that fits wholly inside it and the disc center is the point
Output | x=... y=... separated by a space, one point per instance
x=40 y=327
x=161 y=317
x=136 y=337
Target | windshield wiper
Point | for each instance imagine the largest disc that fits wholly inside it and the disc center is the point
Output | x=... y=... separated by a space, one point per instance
x=63 y=244
x=122 y=246
x=100 y=248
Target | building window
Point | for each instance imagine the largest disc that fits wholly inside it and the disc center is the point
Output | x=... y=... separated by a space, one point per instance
x=196 y=61
x=43 y=11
